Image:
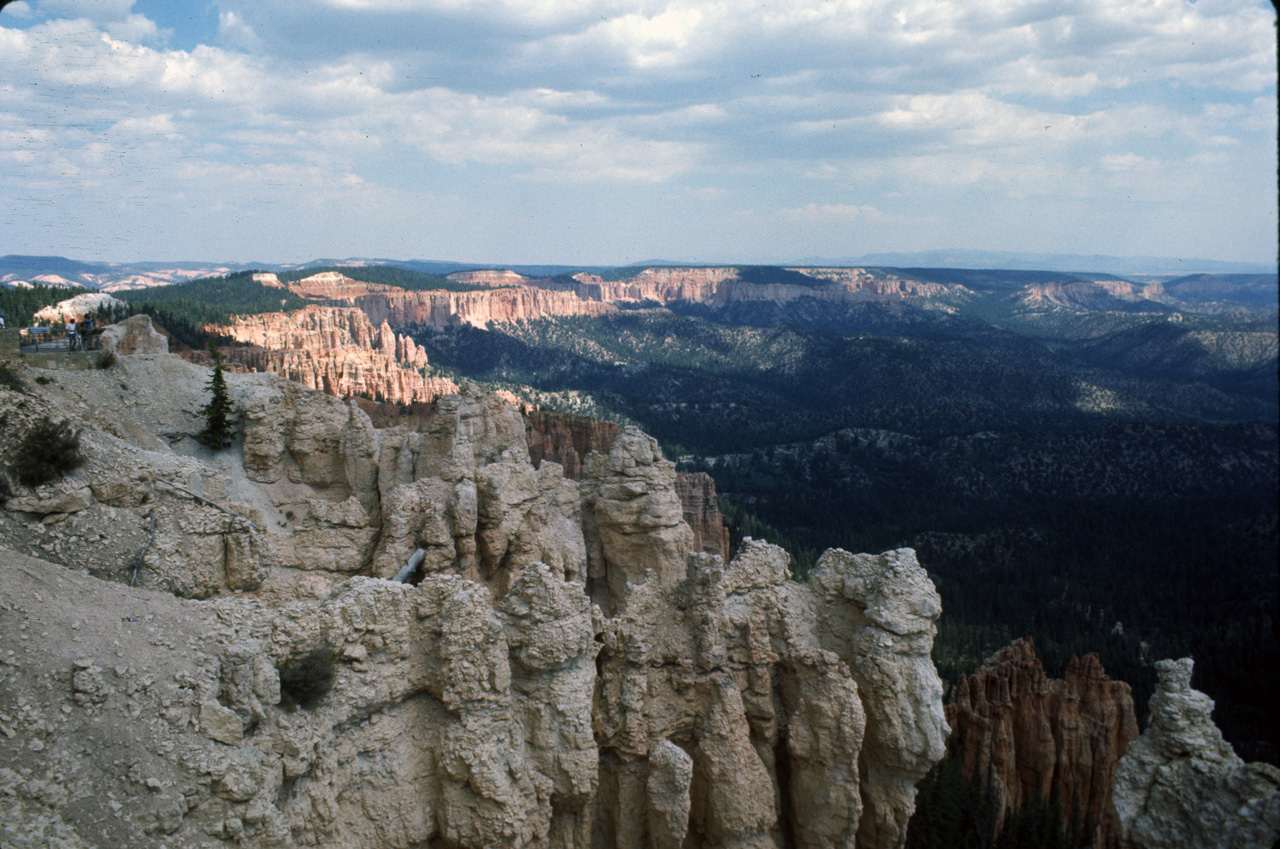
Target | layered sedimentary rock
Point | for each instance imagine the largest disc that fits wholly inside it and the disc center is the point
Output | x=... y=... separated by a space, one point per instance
x=1028 y=736
x=1095 y=294
x=567 y=440
x=562 y=668
x=701 y=508
x=1180 y=784
x=338 y=351
x=720 y=286
x=478 y=309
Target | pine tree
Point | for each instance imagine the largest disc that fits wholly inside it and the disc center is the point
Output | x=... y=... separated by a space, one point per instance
x=217 y=433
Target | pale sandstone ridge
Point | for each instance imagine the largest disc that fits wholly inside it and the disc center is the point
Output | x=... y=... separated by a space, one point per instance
x=1180 y=784
x=1028 y=736
x=77 y=307
x=720 y=286
x=1094 y=294
x=563 y=668
x=488 y=277
x=338 y=351
x=478 y=309
x=332 y=285
x=135 y=335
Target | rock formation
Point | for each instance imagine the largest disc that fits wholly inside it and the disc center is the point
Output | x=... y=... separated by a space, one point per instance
x=78 y=307
x=1027 y=736
x=135 y=335
x=1180 y=784
x=338 y=351
x=701 y=509
x=563 y=668
x=567 y=440
x=719 y=286
x=478 y=309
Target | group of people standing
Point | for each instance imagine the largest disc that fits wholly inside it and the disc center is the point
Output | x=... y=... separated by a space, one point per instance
x=79 y=336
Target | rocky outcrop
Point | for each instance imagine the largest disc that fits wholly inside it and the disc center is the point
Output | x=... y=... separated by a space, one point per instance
x=331 y=285
x=134 y=335
x=1096 y=295
x=721 y=286
x=563 y=668
x=701 y=508
x=1027 y=736
x=78 y=307
x=1180 y=784
x=478 y=309
x=567 y=439
x=493 y=278
x=337 y=351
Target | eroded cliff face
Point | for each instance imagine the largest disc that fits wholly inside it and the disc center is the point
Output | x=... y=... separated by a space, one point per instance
x=1180 y=784
x=567 y=440
x=338 y=351
x=719 y=286
x=478 y=309
x=561 y=669
x=1028 y=736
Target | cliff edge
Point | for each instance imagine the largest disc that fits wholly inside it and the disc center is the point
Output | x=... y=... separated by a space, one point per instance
x=1181 y=784
x=208 y=649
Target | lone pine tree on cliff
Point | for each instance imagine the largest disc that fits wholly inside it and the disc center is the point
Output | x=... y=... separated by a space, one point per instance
x=217 y=433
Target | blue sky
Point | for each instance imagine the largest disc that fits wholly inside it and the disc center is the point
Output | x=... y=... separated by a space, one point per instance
x=583 y=132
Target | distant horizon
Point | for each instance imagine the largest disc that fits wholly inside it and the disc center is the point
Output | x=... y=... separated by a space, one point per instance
x=610 y=132
x=940 y=259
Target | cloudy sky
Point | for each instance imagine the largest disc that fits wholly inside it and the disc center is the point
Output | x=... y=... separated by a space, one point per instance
x=615 y=131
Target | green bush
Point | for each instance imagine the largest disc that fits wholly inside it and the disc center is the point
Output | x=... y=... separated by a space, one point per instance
x=106 y=360
x=305 y=680
x=44 y=381
x=48 y=451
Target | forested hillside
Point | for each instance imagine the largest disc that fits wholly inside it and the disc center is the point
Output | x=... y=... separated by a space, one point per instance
x=1101 y=481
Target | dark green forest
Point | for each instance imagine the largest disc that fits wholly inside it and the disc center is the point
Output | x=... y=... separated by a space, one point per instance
x=1066 y=485
x=387 y=275
x=185 y=309
x=19 y=304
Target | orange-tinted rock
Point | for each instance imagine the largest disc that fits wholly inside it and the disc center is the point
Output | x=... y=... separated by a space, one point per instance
x=725 y=285
x=701 y=507
x=567 y=440
x=478 y=309
x=338 y=351
x=1027 y=734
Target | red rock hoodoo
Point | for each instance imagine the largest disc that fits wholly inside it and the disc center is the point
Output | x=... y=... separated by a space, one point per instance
x=1028 y=734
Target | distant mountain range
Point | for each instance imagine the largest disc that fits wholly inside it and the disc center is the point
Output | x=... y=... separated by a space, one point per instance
x=18 y=269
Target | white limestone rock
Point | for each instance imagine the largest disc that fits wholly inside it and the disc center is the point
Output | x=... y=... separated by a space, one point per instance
x=1180 y=784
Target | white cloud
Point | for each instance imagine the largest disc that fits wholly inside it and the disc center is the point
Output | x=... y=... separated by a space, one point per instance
x=871 y=98
x=233 y=30
x=20 y=9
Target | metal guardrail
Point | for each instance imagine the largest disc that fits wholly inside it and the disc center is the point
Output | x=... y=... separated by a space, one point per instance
x=40 y=340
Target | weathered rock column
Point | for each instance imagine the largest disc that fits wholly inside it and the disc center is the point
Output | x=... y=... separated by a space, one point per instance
x=1180 y=784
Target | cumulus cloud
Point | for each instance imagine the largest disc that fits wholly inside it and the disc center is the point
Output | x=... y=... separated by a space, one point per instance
x=874 y=99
